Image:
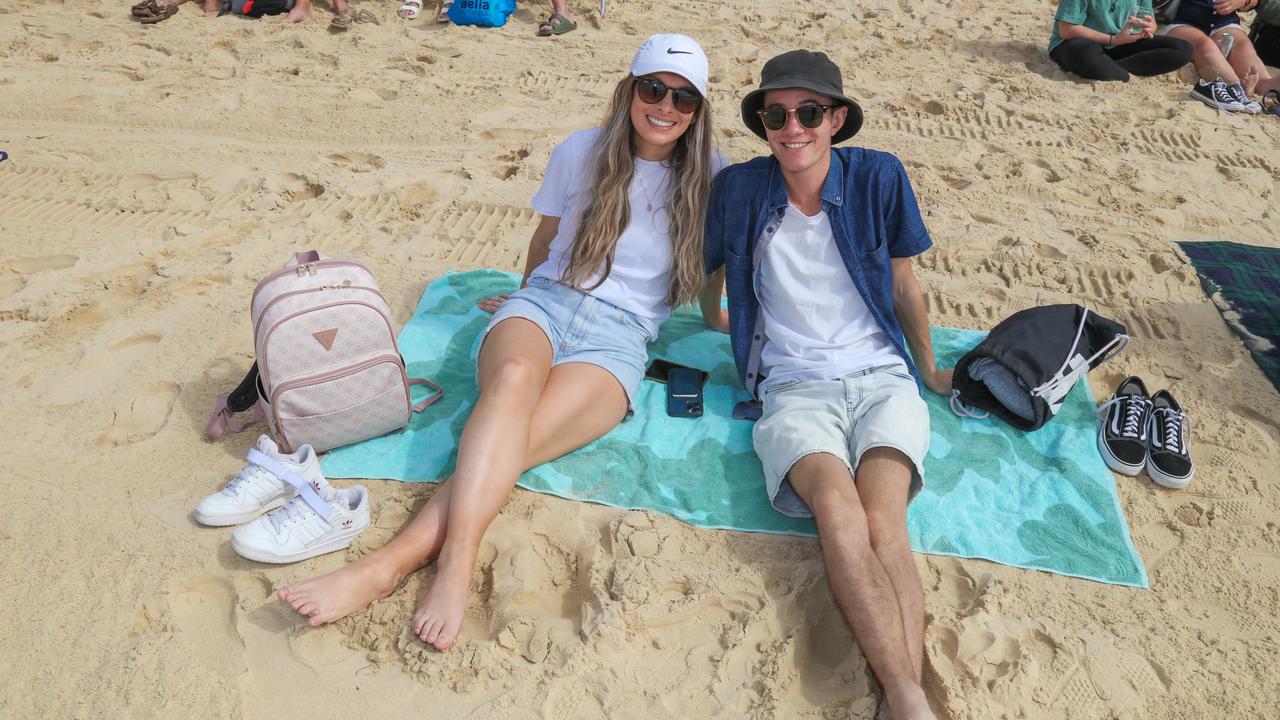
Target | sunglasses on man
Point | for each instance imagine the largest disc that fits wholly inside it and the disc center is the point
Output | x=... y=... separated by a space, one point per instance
x=652 y=90
x=810 y=116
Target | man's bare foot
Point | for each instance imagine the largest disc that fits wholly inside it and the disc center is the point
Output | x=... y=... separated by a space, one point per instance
x=339 y=6
x=439 y=615
x=298 y=14
x=337 y=594
x=909 y=703
x=1250 y=80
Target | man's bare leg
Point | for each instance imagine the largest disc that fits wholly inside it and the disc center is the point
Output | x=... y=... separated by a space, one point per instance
x=1206 y=56
x=862 y=587
x=1244 y=60
x=884 y=483
x=373 y=577
x=579 y=403
x=300 y=12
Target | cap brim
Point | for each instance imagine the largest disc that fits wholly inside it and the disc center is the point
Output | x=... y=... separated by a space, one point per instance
x=754 y=101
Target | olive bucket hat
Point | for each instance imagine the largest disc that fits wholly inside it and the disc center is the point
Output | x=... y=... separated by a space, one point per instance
x=809 y=71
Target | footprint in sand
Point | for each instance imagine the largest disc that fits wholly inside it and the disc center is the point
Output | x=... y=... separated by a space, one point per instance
x=98 y=371
x=204 y=613
x=33 y=265
x=11 y=286
x=142 y=417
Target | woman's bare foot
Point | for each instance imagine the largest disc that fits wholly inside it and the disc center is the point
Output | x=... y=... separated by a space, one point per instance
x=337 y=594
x=439 y=616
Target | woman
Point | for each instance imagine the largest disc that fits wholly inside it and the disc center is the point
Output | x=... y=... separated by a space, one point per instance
x=1111 y=39
x=619 y=244
x=1225 y=81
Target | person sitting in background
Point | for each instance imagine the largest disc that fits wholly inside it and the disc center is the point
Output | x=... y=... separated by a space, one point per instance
x=1225 y=82
x=1264 y=33
x=1109 y=40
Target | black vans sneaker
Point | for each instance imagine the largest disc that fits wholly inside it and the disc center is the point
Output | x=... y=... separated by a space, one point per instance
x=1168 y=452
x=1122 y=439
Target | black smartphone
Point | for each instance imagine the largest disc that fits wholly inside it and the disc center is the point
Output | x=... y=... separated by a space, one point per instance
x=659 y=369
x=684 y=392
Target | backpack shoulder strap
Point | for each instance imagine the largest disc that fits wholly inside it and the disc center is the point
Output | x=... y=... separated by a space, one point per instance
x=426 y=402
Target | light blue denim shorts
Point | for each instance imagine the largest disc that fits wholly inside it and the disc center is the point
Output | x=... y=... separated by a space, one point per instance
x=879 y=407
x=582 y=329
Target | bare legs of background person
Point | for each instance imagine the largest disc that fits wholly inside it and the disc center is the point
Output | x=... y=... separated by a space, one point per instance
x=863 y=532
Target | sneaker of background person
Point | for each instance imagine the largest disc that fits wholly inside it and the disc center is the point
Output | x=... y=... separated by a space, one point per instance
x=311 y=524
x=1217 y=95
x=256 y=489
x=1242 y=98
x=1168 y=448
x=1122 y=439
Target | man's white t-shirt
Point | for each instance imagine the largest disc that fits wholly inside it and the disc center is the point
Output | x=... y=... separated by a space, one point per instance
x=816 y=324
x=640 y=277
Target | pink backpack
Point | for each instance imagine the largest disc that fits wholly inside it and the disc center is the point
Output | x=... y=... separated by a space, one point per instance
x=329 y=372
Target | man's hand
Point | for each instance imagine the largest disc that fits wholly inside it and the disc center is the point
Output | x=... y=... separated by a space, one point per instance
x=491 y=304
x=938 y=381
x=1226 y=7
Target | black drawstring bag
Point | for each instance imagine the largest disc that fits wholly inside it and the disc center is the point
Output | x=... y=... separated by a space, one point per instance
x=256 y=8
x=1025 y=367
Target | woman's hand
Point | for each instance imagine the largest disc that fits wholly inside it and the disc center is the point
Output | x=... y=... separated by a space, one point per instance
x=938 y=381
x=491 y=304
x=1226 y=7
x=1148 y=24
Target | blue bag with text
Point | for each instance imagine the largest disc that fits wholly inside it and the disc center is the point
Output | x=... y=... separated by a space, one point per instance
x=485 y=13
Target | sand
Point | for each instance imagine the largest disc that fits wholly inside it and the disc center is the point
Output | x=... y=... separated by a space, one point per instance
x=157 y=173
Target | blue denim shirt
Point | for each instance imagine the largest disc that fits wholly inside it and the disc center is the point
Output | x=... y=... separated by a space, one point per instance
x=874 y=217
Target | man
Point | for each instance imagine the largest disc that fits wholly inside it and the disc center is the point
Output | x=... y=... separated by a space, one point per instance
x=817 y=244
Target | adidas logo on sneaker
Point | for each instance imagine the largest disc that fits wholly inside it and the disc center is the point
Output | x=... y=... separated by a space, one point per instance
x=310 y=524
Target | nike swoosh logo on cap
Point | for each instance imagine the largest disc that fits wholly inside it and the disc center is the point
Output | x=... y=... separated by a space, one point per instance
x=678 y=52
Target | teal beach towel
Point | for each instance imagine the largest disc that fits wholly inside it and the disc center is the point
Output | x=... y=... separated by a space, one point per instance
x=1041 y=500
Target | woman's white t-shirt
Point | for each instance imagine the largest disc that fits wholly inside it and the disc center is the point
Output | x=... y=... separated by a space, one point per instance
x=640 y=277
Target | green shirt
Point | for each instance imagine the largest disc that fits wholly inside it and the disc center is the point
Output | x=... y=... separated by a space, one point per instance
x=1269 y=12
x=1105 y=16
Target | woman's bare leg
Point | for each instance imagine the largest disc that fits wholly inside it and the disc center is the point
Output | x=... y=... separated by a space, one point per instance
x=1244 y=60
x=519 y=351
x=579 y=403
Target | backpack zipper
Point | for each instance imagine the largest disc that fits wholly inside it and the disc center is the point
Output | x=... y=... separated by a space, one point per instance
x=262 y=358
x=337 y=374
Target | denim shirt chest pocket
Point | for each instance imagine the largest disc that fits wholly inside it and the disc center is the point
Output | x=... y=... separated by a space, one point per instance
x=866 y=247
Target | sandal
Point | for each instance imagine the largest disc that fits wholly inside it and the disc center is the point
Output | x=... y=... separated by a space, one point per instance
x=1271 y=102
x=146 y=8
x=343 y=20
x=556 y=24
x=410 y=9
x=366 y=16
x=163 y=12
x=443 y=15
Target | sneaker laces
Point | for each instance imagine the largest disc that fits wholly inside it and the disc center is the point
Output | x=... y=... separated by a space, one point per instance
x=1172 y=421
x=247 y=474
x=296 y=510
x=1134 y=406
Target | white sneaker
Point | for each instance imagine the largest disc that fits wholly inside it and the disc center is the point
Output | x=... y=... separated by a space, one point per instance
x=257 y=488
x=312 y=523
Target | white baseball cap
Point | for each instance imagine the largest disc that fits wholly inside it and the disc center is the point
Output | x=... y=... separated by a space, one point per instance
x=673 y=53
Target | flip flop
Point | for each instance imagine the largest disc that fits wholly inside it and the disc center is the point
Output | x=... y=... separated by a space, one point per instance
x=442 y=16
x=364 y=15
x=163 y=13
x=410 y=9
x=556 y=24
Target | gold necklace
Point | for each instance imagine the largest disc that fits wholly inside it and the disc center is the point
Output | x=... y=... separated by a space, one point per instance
x=644 y=188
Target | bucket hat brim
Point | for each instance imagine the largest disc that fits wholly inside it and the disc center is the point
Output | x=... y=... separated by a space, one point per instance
x=754 y=102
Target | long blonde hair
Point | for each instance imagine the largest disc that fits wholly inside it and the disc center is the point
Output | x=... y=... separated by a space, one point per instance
x=608 y=211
